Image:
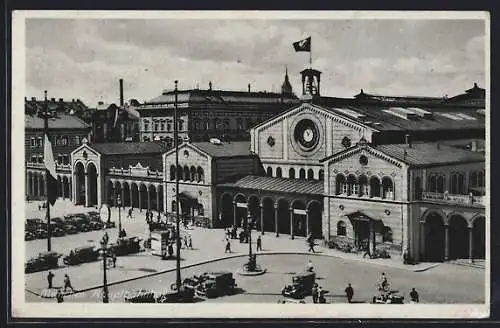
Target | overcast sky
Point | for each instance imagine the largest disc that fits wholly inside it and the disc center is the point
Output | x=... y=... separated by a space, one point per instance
x=84 y=58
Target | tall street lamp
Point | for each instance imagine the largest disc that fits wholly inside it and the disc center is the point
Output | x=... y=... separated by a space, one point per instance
x=252 y=263
x=104 y=251
x=119 y=204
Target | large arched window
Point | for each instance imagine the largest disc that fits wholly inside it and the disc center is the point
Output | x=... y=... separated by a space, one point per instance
x=302 y=174
x=187 y=174
x=172 y=172
x=321 y=174
x=433 y=184
x=387 y=188
x=363 y=185
x=440 y=184
x=269 y=171
x=374 y=187
x=352 y=185
x=341 y=228
x=201 y=175
x=201 y=210
x=179 y=172
x=473 y=180
x=173 y=206
x=193 y=173
x=457 y=184
x=340 y=185
x=291 y=173
x=278 y=172
x=310 y=174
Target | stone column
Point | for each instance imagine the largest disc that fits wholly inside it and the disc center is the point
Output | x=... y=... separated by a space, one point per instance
x=381 y=190
x=291 y=224
x=446 y=242
x=307 y=223
x=122 y=196
x=157 y=199
x=471 y=245
x=371 y=239
x=234 y=214
x=99 y=189
x=27 y=184
x=131 y=199
x=276 y=220
x=40 y=178
x=261 y=219
x=140 y=199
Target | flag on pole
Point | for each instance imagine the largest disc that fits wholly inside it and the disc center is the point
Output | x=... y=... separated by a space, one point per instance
x=50 y=169
x=303 y=45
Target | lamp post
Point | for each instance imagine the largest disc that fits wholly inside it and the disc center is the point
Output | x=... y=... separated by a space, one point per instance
x=104 y=250
x=119 y=204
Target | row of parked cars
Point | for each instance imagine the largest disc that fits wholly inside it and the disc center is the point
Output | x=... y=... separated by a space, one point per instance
x=67 y=225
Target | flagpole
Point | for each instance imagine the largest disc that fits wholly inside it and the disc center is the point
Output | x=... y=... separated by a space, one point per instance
x=46 y=132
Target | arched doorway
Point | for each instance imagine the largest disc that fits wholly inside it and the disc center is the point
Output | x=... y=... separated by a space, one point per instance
x=66 y=193
x=135 y=195
x=254 y=210
x=241 y=211
x=92 y=183
x=283 y=216
x=269 y=223
x=79 y=178
x=458 y=238
x=434 y=238
x=152 y=198
x=315 y=212
x=226 y=210
x=110 y=193
x=126 y=194
x=478 y=238
x=299 y=218
x=143 y=197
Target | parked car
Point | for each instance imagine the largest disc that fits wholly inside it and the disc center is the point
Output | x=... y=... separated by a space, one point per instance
x=93 y=220
x=96 y=223
x=96 y=217
x=390 y=297
x=28 y=235
x=81 y=224
x=44 y=261
x=69 y=229
x=40 y=233
x=33 y=224
x=216 y=284
x=56 y=231
x=301 y=286
x=82 y=255
x=126 y=245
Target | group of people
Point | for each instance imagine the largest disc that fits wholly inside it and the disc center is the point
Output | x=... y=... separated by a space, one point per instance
x=67 y=286
x=228 y=235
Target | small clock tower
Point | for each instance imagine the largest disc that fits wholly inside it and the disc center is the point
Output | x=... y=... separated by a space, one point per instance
x=310 y=83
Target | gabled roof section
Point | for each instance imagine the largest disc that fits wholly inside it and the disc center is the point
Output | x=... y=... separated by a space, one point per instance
x=357 y=149
x=282 y=185
x=226 y=149
x=187 y=145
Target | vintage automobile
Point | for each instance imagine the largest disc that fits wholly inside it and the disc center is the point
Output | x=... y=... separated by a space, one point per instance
x=28 y=235
x=140 y=296
x=82 y=255
x=126 y=245
x=390 y=297
x=69 y=229
x=34 y=224
x=215 y=284
x=96 y=217
x=81 y=224
x=301 y=286
x=56 y=231
x=155 y=226
x=44 y=261
x=40 y=233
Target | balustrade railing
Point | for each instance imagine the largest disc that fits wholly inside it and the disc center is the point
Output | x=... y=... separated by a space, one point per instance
x=453 y=199
x=129 y=172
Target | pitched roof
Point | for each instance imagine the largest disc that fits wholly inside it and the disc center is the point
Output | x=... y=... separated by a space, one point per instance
x=61 y=121
x=123 y=148
x=227 y=149
x=430 y=154
x=313 y=187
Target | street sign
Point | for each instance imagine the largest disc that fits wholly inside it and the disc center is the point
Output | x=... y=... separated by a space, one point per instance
x=300 y=212
x=242 y=205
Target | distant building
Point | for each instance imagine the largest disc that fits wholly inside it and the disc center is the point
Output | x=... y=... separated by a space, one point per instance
x=67 y=132
x=111 y=123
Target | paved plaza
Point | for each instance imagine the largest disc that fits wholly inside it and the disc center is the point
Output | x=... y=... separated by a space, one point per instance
x=443 y=283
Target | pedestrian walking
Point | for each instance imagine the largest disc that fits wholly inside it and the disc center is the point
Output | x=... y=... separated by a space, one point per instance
x=414 y=296
x=228 y=246
x=39 y=207
x=59 y=296
x=311 y=246
x=50 y=277
x=158 y=218
x=190 y=242
x=130 y=213
x=185 y=241
x=349 y=293
x=315 y=293
x=259 y=243
x=67 y=284
x=367 y=251
x=170 y=250
x=113 y=257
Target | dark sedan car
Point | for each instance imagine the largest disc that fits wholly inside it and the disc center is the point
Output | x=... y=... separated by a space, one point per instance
x=81 y=224
x=28 y=235
x=68 y=228
x=40 y=233
x=33 y=224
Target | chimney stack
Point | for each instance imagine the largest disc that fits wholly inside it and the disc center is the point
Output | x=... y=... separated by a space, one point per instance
x=249 y=87
x=210 y=85
x=408 y=140
x=121 y=93
x=53 y=99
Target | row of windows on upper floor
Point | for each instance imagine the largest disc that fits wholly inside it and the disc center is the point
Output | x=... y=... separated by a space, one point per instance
x=456 y=184
x=303 y=174
x=193 y=174
x=214 y=124
x=362 y=186
x=58 y=141
x=61 y=159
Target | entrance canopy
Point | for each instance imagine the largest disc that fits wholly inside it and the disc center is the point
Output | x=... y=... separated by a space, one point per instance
x=362 y=216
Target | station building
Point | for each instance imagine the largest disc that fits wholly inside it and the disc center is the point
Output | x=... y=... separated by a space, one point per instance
x=401 y=173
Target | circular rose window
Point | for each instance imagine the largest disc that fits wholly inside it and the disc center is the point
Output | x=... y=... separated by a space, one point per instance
x=363 y=160
x=306 y=134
